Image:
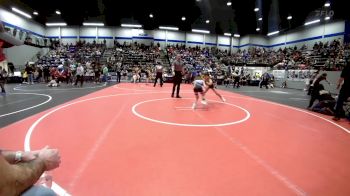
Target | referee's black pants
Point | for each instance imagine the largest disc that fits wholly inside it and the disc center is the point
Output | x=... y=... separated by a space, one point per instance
x=176 y=83
x=159 y=76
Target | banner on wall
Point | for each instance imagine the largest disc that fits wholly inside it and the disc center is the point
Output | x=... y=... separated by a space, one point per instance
x=299 y=75
x=293 y=75
x=279 y=74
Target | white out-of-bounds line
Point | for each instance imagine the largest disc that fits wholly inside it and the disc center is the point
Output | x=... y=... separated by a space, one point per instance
x=59 y=190
x=25 y=109
x=59 y=89
x=296 y=109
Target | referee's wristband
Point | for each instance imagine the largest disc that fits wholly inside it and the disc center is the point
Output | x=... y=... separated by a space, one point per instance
x=18 y=156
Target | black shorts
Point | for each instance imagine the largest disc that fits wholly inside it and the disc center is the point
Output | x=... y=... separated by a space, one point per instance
x=198 y=90
x=211 y=86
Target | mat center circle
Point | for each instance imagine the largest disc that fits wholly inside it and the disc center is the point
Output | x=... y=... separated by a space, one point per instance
x=179 y=112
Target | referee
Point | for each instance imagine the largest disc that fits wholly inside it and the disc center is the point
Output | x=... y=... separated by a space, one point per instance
x=178 y=68
x=159 y=71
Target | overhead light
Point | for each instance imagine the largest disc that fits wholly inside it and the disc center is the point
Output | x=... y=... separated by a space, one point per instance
x=260 y=19
x=21 y=12
x=237 y=35
x=207 y=21
x=93 y=24
x=289 y=17
x=200 y=31
x=273 y=33
x=256 y=9
x=35 y=13
x=312 y=22
x=56 y=24
x=327 y=4
x=327 y=18
x=183 y=18
x=227 y=34
x=257 y=29
x=58 y=12
x=131 y=25
x=229 y=3
x=151 y=15
x=169 y=28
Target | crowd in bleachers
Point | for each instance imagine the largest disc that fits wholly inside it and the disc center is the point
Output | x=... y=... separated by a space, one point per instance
x=332 y=55
x=125 y=61
x=134 y=60
x=137 y=59
x=328 y=56
x=61 y=62
x=215 y=62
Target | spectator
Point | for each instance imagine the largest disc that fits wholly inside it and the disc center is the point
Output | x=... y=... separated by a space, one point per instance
x=46 y=72
x=21 y=170
x=236 y=79
x=118 y=74
x=344 y=92
x=80 y=75
x=264 y=80
x=159 y=75
x=29 y=70
x=3 y=76
x=311 y=82
x=315 y=94
x=326 y=104
x=105 y=73
x=97 y=71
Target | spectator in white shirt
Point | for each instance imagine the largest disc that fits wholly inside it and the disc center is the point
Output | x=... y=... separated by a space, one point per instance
x=80 y=75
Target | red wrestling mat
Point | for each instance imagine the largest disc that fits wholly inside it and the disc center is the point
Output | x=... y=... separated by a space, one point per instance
x=133 y=139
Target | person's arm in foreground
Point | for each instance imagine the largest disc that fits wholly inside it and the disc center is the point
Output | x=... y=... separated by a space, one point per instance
x=340 y=82
x=18 y=156
x=16 y=178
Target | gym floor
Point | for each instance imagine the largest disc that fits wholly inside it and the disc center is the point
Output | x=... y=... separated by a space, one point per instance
x=133 y=139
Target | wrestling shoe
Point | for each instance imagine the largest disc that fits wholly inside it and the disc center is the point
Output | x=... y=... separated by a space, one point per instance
x=194 y=106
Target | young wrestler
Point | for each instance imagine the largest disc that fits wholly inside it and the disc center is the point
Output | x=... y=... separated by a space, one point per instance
x=199 y=87
x=210 y=85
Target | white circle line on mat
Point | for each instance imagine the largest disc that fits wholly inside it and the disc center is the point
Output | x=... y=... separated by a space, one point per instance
x=134 y=111
x=28 y=108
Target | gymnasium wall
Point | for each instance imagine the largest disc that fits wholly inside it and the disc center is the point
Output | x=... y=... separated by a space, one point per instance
x=69 y=35
x=227 y=43
x=19 y=55
x=12 y=20
x=160 y=37
x=308 y=35
x=210 y=40
x=106 y=34
x=194 y=39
